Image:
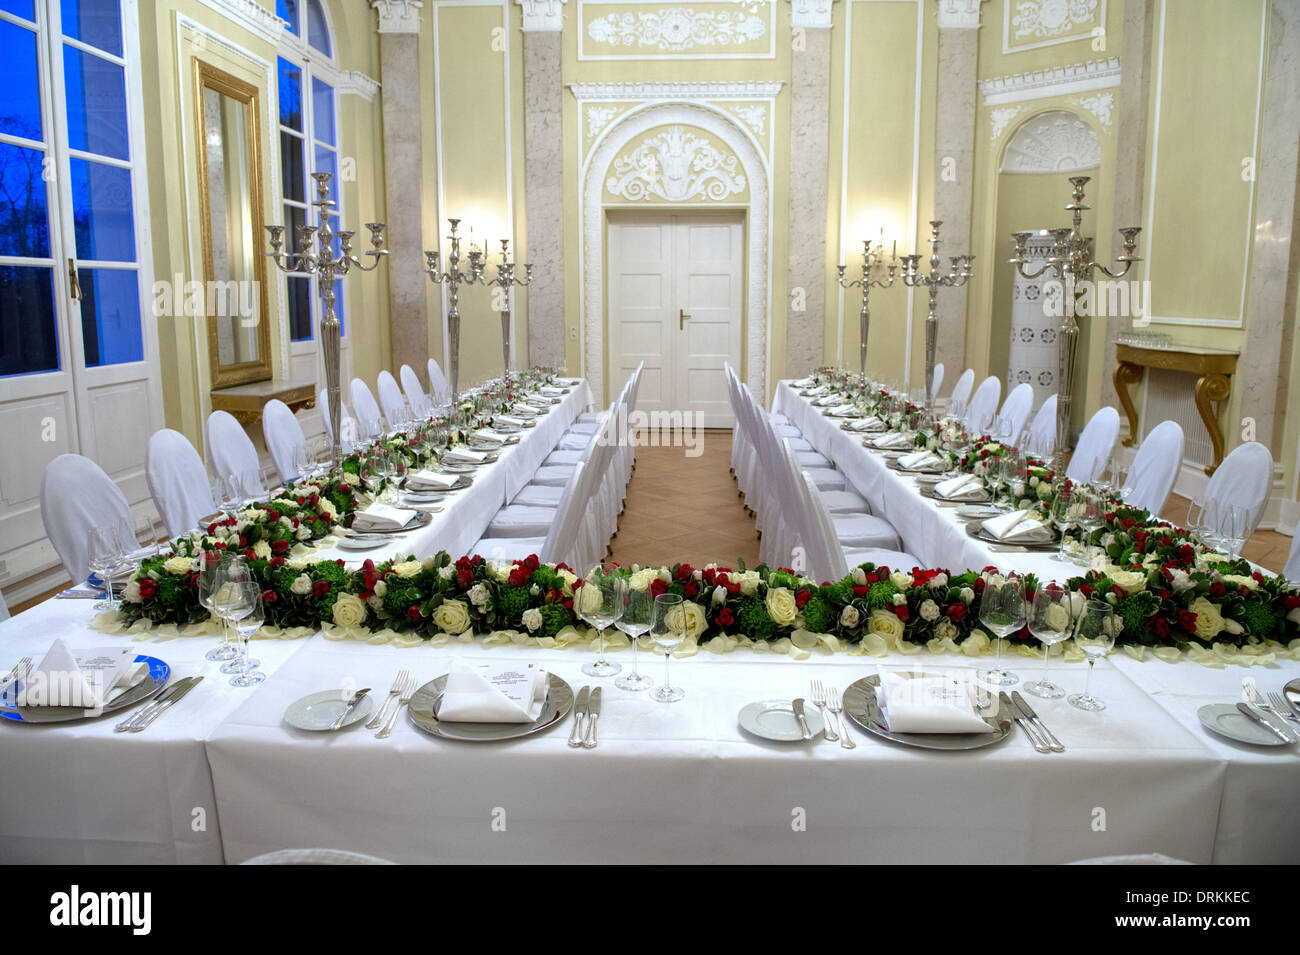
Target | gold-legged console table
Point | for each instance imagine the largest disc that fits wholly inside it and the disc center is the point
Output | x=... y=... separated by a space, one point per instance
x=246 y=401
x=1214 y=366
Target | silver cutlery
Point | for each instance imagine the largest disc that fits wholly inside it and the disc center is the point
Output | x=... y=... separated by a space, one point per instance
x=819 y=701
x=19 y=671
x=151 y=705
x=405 y=698
x=1252 y=696
x=1035 y=740
x=797 y=705
x=1053 y=743
x=165 y=705
x=835 y=703
x=1256 y=716
x=1280 y=707
x=593 y=713
x=579 y=711
x=348 y=708
x=398 y=682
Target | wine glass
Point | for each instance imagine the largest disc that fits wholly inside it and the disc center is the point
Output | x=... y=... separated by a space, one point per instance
x=371 y=472
x=1015 y=472
x=638 y=610
x=1233 y=528
x=1062 y=515
x=668 y=630
x=250 y=615
x=1094 y=634
x=1089 y=513
x=1002 y=611
x=105 y=556
x=231 y=493
x=211 y=577
x=599 y=600
x=1051 y=620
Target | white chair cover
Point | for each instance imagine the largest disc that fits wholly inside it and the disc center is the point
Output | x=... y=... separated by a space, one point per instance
x=348 y=431
x=438 y=386
x=178 y=482
x=1155 y=467
x=366 y=408
x=937 y=379
x=1092 y=451
x=77 y=495
x=231 y=452
x=1015 y=412
x=1292 y=569
x=284 y=439
x=1243 y=479
x=1042 y=433
x=411 y=385
x=391 y=398
x=983 y=405
x=961 y=393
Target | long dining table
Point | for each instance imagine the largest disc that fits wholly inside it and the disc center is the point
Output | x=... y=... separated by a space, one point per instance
x=223 y=777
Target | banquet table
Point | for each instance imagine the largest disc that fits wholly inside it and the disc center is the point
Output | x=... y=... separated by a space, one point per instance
x=222 y=777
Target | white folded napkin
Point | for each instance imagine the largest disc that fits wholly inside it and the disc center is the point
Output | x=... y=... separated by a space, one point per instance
x=964 y=487
x=894 y=440
x=811 y=392
x=921 y=461
x=509 y=420
x=488 y=435
x=534 y=397
x=87 y=679
x=1017 y=527
x=827 y=401
x=866 y=424
x=928 y=704
x=464 y=456
x=382 y=517
x=493 y=693
x=422 y=480
x=552 y=391
x=527 y=411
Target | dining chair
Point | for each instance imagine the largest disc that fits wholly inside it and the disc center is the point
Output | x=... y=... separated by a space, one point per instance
x=936 y=380
x=230 y=452
x=1011 y=419
x=411 y=385
x=1092 y=450
x=960 y=396
x=284 y=439
x=983 y=405
x=1155 y=467
x=391 y=399
x=77 y=495
x=178 y=482
x=1041 y=441
x=438 y=385
x=1243 y=478
x=366 y=409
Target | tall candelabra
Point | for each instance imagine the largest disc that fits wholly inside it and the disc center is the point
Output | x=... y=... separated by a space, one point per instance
x=453 y=278
x=1071 y=260
x=872 y=265
x=502 y=284
x=956 y=276
x=327 y=267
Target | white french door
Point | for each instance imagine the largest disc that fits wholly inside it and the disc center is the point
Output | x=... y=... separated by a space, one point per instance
x=78 y=345
x=676 y=303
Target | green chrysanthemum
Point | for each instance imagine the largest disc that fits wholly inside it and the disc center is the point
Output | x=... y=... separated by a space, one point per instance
x=818 y=615
x=881 y=595
x=753 y=620
x=512 y=602
x=1260 y=619
x=554 y=619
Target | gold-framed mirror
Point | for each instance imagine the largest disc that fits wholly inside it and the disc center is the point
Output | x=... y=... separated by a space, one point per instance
x=230 y=219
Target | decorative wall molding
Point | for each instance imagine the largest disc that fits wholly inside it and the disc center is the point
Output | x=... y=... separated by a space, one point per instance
x=1101 y=105
x=398 y=16
x=1052 y=142
x=1052 y=81
x=754 y=116
x=543 y=16
x=678 y=29
x=598 y=117
x=1039 y=23
x=959 y=14
x=252 y=16
x=810 y=14
x=737 y=89
x=676 y=166
x=1000 y=118
x=356 y=83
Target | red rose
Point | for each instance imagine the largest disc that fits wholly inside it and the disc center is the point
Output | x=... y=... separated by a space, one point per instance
x=658 y=586
x=691 y=589
x=956 y=611
x=320 y=588
x=148 y=588
x=465 y=577
x=801 y=597
x=269 y=596
x=279 y=546
x=1159 y=626
x=861 y=591
x=1187 y=620
x=277 y=561
x=725 y=617
x=1217 y=590
x=413 y=612
x=902 y=613
x=1291 y=601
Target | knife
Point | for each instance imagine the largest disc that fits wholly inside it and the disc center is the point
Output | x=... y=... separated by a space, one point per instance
x=1048 y=735
x=803 y=723
x=1024 y=722
x=153 y=704
x=579 y=711
x=166 y=704
x=351 y=705
x=1255 y=715
x=593 y=713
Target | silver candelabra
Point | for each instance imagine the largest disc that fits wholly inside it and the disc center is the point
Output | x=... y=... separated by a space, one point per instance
x=453 y=278
x=872 y=265
x=1071 y=260
x=956 y=276
x=502 y=284
x=326 y=267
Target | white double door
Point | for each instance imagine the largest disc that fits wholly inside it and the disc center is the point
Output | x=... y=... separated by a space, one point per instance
x=676 y=303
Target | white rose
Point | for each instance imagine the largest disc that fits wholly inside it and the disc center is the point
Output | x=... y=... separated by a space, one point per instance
x=640 y=580
x=1131 y=581
x=849 y=616
x=1057 y=618
x=748 y=581
x=479 y=595
x=900 y=580
x=719 y=595
x=532 y=619
x=690 y=617
x=859 y=577
x=1238 y=580
x=1232 y=626
x=302 y=533
x=884 y=623
x=1181 y=581
x=590 y=599
x=569 y=580
x=301 y=585
x=178 y=565
x=381 y=588
x=349 y=611
x=966 y=595
x=939 y=581
x=131 y=593
x=451 y=616
x=376 y=603
x=351 y=479
x=448 y=572
x=781 y=606
x=408 y=568
x=929 y=610
x=262 y=550
x=945 y=629
x=328 y=509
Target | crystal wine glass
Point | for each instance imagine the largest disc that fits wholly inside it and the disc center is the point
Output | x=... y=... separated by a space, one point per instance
x=211 y=577
x=1062 y=515
x=599 y=600
x=1095 y=636
x=251 y=616
x=638 y=610
x=668 y=630
x=1051 y=620
x=1002 y=612
x=105 y=555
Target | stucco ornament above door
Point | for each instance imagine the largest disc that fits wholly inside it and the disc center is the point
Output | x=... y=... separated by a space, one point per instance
x=677 y=29
x=676 y=165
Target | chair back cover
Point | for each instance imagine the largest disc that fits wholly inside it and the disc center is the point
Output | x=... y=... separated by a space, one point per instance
x=1015 y=412
x=77 y=495
x=1292 y=569
x=1042 y=433
x=284 y=438
x=983 y=405
x=1092 y=451
x=411 y=385
x=230 y=451
x=438 y=385
x=366 y=408
x=1155 y=466
x=937 y=380
x=178 y=482
x=825 y=555
x=347 y=430
x=961 y=392
x=1243 y=479
x=391 y=398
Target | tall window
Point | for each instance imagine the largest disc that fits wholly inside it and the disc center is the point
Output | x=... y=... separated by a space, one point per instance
x=309 y=143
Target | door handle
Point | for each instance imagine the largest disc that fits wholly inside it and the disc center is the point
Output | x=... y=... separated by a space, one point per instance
x=681 y=319
x=72 y=280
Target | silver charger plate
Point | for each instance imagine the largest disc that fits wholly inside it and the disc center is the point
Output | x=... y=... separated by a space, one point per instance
x=1226 y=720
x=152 y=683
x=775 y=720
x=976 y=530
x=423 y=712
x=318 y=711
x=421 y=519
x=860 y=707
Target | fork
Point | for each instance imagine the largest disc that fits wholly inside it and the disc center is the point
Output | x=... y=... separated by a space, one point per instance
x=819 y=700
x=402 y=700
x=1280 y=707
x=20 y=670
x=398 y=683
x=835 y=703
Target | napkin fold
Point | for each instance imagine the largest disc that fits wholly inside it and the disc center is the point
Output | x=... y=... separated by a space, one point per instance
x=866 y=424
x=843 y=411
x=430 y=480
x=527 y=411
x=921 y=461
x=87 y=680
x=510 y=420
x=493 y=693
x=464 y=456
x=1017 y=527
x=383 y=517
x=893 y=441
x=963 y=487
x=928 y=704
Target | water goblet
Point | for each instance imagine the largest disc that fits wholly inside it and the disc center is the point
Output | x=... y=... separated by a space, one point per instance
x=1051 y=620
x=105 y=555
x=247 y=623
x=599 y=600
x=638 y=611
x=1062 y=516
x=1002 y=612
x=1094 y=634
x=668 y=630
